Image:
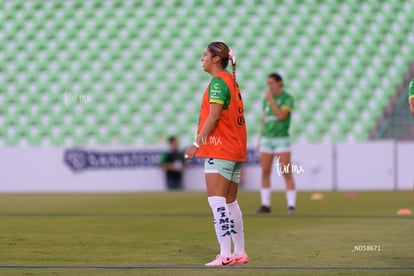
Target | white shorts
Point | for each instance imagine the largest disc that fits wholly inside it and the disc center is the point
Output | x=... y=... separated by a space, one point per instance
x=274 y=145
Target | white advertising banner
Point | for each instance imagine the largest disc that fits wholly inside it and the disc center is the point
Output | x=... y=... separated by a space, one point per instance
x=405 y=166
x=382 y=165
x=312 y=167
x=366 y=166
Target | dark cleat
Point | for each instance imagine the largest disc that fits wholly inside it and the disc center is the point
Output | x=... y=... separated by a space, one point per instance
x=291 y=210
x=263 y=210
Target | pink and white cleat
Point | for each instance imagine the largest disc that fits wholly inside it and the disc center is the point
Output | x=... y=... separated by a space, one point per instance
x=221 y=261
x=240 y=259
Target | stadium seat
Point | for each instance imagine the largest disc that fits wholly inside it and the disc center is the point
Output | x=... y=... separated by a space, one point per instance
x=140 y=61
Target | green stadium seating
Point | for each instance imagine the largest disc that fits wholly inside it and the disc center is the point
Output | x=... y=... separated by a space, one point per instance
x=139 y=62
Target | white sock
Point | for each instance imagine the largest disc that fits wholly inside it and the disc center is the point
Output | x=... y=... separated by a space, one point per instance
x=236 y=223
x=291 y=198
x=265 y=195
x=221 y=224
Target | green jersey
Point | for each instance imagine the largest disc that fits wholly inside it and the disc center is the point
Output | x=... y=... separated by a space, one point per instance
x=273 y=127
x=411 y=89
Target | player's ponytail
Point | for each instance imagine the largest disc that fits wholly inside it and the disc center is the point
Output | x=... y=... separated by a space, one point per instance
x=232 y=58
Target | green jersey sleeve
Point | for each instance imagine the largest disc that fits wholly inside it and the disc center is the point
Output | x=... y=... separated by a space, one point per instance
x=219 y=92
x=287 y=103
x=411 y=89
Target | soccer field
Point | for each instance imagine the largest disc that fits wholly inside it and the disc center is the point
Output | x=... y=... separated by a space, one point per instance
x=172 y=233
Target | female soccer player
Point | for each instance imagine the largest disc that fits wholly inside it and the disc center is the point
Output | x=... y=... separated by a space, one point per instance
x=411 y=95
x=274 y=140
x=221 y=139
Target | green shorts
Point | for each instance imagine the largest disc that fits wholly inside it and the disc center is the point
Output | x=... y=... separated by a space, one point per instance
x=274 y=145
x=229 y=169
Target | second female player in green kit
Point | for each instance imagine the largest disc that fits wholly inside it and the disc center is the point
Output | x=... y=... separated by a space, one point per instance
x=411 y=96
x=274 y=141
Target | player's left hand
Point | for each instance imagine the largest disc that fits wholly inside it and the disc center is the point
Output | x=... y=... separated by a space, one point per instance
x=190 y=152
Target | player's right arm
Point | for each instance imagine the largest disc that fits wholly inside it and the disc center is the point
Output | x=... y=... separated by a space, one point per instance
x=280 y=112
x=411 y=95
x=218 y=94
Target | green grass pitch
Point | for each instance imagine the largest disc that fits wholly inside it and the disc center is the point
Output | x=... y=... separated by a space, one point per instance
x=175 y=229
